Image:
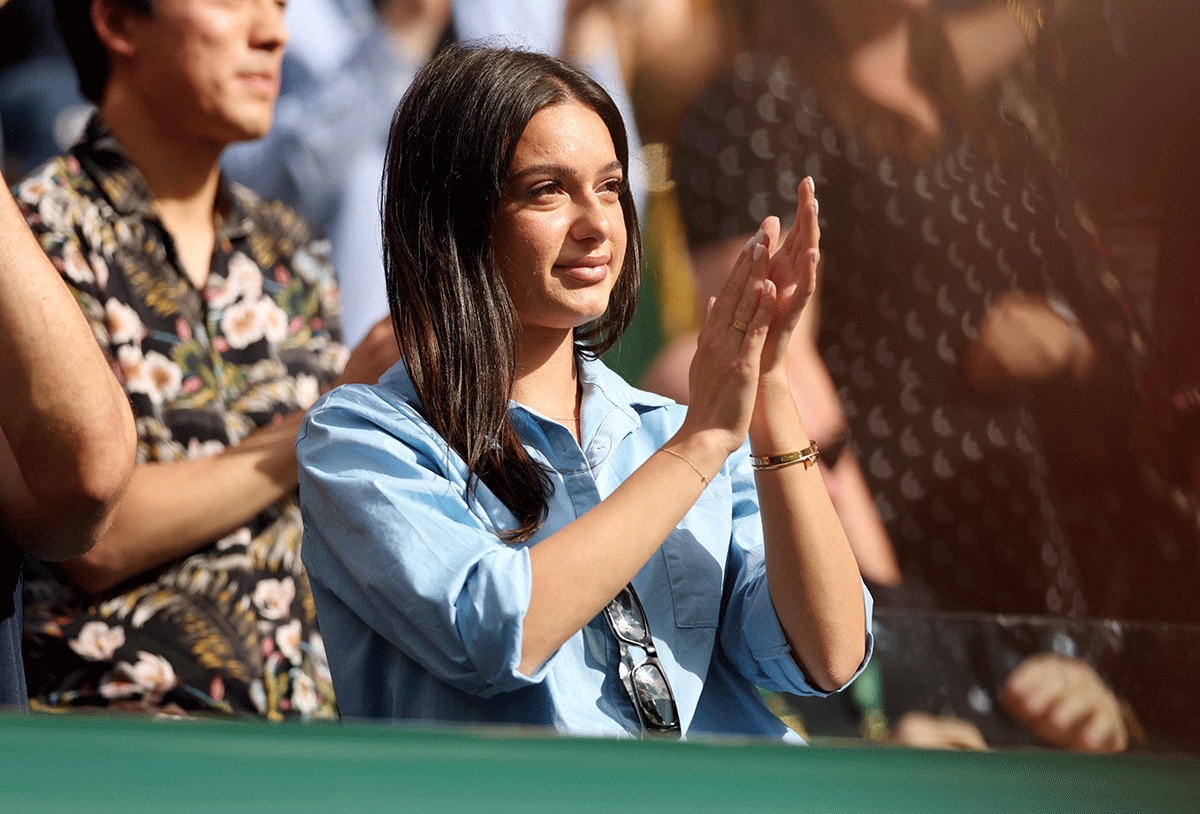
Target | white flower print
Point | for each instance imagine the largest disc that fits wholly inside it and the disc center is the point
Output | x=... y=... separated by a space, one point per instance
x=274 y=321
x=245 y=276
x=152 y=674
x=97 y=641
x=316 y=649
x=341 y=355
x=55 y=211
x=165 y=376
x=287 y=639
x=31 y=192
x=92 y=227
x=243 y=282
x=124 y=324
x=75 y=265
x=241 y=537
x=273 y=597
x=258 y=695
x=304 y=694
x=242 y=324
x=117 y=685
x=307 y=390
x=133 y=369
x=204 y=449
x=99 y=270
x=153 y=374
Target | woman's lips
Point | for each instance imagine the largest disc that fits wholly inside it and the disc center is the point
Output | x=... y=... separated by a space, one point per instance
x=584 y=271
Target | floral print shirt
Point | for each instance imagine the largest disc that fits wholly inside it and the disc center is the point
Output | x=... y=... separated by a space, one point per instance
x=232 y=626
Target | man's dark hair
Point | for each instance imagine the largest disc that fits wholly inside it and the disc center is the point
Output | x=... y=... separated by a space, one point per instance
x=451 y=143
x=74 y=18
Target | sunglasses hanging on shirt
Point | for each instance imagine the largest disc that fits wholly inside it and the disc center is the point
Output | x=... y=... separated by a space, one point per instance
x=644 y=680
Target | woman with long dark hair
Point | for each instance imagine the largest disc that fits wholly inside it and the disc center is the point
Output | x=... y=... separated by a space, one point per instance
x=502 y=530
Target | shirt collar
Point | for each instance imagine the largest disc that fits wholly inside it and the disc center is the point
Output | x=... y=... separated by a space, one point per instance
x=398 y=380
x=596 y=375
x=106 y=161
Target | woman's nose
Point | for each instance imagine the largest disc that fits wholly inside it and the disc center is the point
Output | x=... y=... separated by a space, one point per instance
x=593 y=219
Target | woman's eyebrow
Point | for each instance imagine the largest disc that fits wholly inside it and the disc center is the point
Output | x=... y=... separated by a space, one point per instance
x=559 y=169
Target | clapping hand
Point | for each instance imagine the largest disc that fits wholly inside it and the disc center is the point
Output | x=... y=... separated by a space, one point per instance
x=793 y=270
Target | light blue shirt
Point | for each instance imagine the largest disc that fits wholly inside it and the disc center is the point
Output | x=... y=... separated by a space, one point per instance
x=421 y=603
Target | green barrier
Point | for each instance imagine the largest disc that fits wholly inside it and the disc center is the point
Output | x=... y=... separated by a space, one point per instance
x=56 y=763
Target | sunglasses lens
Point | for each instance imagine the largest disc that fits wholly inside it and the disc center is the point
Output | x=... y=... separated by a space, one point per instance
x=627 y=619
x=654 y=695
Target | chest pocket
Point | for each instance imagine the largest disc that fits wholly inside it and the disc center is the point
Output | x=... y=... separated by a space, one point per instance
x=695 y=554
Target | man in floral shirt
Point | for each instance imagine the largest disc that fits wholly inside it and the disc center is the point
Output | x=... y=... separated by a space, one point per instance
x=220 y=314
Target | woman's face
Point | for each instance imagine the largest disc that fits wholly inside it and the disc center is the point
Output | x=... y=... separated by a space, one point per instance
x=559 y=235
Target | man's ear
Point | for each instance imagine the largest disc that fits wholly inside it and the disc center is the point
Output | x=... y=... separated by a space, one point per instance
x=112 y=21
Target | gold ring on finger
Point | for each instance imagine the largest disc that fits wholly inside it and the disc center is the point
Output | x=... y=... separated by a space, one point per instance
x=741 y=326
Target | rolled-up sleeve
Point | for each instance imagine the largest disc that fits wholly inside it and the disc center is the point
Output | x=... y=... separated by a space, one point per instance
x=751 y=635
x=389 y=532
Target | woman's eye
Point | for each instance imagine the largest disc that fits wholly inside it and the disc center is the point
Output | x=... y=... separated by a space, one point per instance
x=544 y=190
x=613 y=185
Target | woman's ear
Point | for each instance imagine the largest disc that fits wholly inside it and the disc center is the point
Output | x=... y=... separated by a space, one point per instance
x=112 y=21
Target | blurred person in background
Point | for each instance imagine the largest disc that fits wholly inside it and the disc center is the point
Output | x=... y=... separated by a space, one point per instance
x=954 y=320
x=220 y=311
x=41 y=107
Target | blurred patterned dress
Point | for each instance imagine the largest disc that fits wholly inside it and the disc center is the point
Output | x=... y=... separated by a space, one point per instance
x=230 y=628
x=912 y=255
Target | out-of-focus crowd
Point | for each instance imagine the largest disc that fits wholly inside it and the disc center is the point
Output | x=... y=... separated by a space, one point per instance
x=1002 y=371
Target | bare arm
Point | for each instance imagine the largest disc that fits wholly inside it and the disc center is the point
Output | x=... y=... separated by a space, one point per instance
x=811 y=569
x=170 y=510
x=66 y=432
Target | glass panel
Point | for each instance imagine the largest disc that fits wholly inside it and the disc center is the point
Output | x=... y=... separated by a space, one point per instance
x=998 y=678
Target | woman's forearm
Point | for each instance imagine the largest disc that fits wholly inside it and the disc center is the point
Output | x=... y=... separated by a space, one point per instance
x=811 y=569
x=580 y=568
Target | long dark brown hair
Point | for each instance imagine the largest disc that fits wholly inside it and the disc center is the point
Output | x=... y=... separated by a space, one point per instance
x=451 y=143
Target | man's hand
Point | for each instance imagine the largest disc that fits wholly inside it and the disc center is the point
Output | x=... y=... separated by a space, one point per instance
x=1022 y=342
x=1066 y=704
x=924 y=731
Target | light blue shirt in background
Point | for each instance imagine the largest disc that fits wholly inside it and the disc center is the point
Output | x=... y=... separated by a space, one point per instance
x=421 y=603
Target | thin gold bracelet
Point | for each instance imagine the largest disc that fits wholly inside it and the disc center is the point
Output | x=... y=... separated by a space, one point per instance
x=686 y=461
x=807 y=456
